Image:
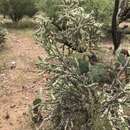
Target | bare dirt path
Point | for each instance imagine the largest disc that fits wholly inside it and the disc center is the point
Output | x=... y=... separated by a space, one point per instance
x=19 y=80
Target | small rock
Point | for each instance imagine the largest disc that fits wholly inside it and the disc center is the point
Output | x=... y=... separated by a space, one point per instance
x=109 y=48
x=7 y=116
x=26 y=98
x=24 y=113
x=2 y=75
x=34 y=82
x=13 y=106
x=11 y=123
x=23 y=87
x=13 y=65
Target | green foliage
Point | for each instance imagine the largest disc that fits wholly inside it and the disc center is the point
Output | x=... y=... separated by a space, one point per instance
x=121 y=58
x=25 y=23
x=17 y=9
x=102 y=9
x=50 y=7
x=36 y=117
x=83 y=65
x=101 y=73
x=4 y=7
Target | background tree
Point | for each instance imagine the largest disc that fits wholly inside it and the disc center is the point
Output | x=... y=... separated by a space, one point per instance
x=4 y=7
x=50 y=7
x=17 y=9
x=102 y=9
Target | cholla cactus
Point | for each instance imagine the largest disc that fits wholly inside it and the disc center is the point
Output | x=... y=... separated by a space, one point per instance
x=83 y=96
x=72 y=28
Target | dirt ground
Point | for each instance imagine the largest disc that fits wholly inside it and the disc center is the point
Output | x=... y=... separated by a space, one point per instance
x=19 y=80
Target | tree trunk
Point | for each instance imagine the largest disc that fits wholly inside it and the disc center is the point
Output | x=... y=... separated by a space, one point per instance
x=116 y=36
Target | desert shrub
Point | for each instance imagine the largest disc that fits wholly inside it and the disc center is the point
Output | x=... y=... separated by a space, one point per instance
x=4 y=7
x=3 y=33
x=84 y=93
x=17 y=9
x=102 y=9
x=25 y=23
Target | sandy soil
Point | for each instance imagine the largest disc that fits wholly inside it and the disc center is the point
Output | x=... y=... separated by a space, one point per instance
x=19 y=81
